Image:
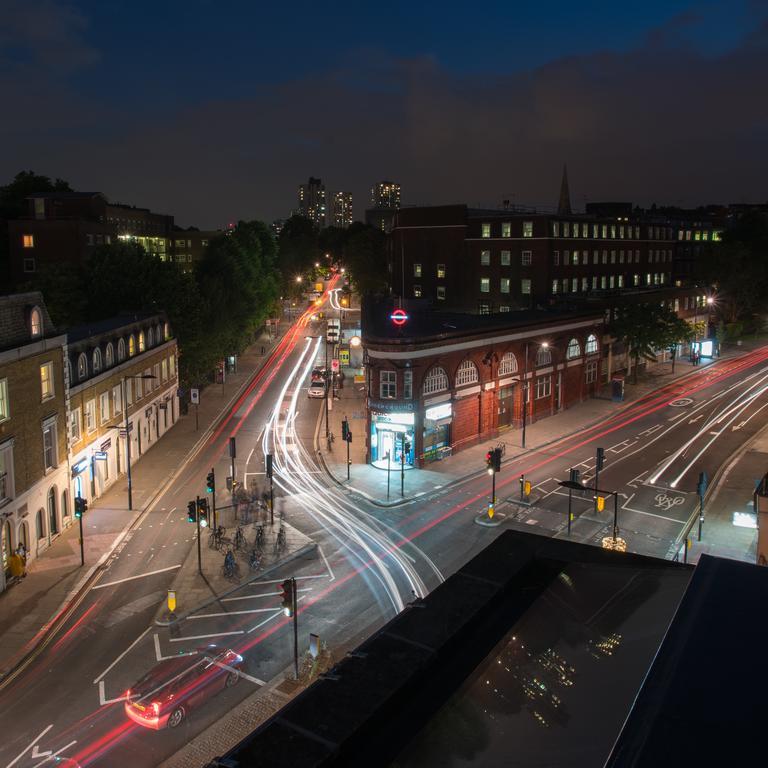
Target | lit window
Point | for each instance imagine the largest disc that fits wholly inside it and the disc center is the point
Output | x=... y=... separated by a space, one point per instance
x=440 y=271
x=506 y=258
x=585 y=230
x=527 y=229
x=435 y=381
x=164 y=370
x=526 y=258
x=485 y=285
x=416 y=291
x=583 y=283
x=417 y=270
x=525 y=286
x=104 y=407
x=110 y=354
x=388 y=384
x=591 y=345
x=35 y=323
x=172 y=365
x=74 y=426
x=566 y=229
x=543 y=357
x=594 y=231
x=575 y=285
x=142 y=345
x=151 y=337
x=506 y=229
x=575 y=257
x=504 y=287
x=485 y=258
x=508 y=364
x=131 y=345
x=441 y=292
x=485 y=230
x=467 y=374
x=90 y=416
x=573 y=350
x=28 y=241
x=613 y=231
x=5 y=406
x=555 y=229
x=46 y=380
x=49 y=445
x=554 y=286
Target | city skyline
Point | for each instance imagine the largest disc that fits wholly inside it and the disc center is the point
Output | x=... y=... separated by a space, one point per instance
x=483 y=125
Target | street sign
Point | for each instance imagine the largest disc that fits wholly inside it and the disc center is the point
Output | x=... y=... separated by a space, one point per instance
x=100 y=455
x=399 y=317
x=334 y=366
x=194 y=396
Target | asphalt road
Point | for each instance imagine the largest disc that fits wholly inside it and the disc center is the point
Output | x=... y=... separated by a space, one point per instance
x=371 y=561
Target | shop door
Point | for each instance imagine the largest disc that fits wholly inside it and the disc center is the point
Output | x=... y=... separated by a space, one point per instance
x=506 y=410
x=386 y=444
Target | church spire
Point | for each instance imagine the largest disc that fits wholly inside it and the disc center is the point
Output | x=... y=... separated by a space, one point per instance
x=564 y=206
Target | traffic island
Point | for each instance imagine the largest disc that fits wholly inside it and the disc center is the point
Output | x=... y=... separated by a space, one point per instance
x=193 y=590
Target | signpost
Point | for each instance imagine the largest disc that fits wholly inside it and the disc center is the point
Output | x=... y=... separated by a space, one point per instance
x=194 y=398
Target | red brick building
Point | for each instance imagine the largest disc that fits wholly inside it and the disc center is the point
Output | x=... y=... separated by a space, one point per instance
x=441 y=382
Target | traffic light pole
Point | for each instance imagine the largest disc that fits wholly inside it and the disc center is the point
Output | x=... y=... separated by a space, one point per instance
x=325 y=379
x=82 y=551
x=402 y=465
x=347 y=455
x=295 y=627
x=570 y=500
x=197 y=521
x=389 y=467
x=213 y=498
x=493 y=490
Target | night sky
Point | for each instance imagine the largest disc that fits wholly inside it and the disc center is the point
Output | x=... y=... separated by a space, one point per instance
x=216 y=110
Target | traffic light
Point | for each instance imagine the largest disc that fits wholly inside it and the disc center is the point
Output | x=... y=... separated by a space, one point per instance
x=269 y=465
x=203 y=512
x=345 y=430
x=286 y=595
x=81 y=506
x=575 y=476
x=192 y=512
x=600 y=459
x=489 y=461
x=497 y=459
x=600 y=503
x=211 y=482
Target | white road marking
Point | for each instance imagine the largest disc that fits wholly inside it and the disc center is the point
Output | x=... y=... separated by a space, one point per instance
x=266 y=621
x=651 y=430
x=205 y=637
x=103 y=700
x=327 y=564
x=228 y=613
x=239 y=672
x=57 y=752
x=264 y=594
x=138 y=576
x=32 y=745
x=248 y=460
x=122 y=655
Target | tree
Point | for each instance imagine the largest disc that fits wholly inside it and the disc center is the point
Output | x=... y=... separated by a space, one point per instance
x=672 y=331
x=365 y=257
x=298 y=250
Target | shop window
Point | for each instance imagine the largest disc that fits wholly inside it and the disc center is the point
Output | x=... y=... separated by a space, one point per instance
x=387 y=385
x=467 y=374
x=508 y=364
x=591 y=345
x=543 y=386
x=435 y=381
x=573 y=350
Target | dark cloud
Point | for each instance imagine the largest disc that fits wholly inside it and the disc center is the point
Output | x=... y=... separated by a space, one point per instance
x=667 y=122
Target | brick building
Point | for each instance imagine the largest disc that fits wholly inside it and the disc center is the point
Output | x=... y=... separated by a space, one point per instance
x=444 y=381
x=35 y=503
x=125 y=360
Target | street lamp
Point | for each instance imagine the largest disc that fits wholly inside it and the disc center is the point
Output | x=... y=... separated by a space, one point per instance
x=127 y=433
x=524 y=382
x=299 y=278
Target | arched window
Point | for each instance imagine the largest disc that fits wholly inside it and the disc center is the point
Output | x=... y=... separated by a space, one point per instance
x=64 y=504
x=467 y=374
x=543 y=357
x=69 y=371
x=110 y=354
x=131 y=345
x=82 y=366
x=142 y=345
x=39 y=527
x=435 y=381
x=508 y=364
x=121 y=350
x=591 y=347
x=35 y=322
x=53 y=524
x=151 y=337
x=166 y=331
x=574 y=349
x=23 y=535
x=7 y=545
x=96 y=360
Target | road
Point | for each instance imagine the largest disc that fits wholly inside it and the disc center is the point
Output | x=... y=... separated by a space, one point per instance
x=371 y=561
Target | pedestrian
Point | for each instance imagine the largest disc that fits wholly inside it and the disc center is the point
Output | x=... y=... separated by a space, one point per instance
x=21 y=551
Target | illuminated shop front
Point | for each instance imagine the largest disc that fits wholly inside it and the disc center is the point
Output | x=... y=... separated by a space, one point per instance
x=437 y=430
x=392 y=432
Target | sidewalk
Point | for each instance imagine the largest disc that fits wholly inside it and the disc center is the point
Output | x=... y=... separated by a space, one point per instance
x=55 y=579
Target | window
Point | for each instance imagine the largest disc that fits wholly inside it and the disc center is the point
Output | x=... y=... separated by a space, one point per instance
x=35 y=323
x=172 y=365
x=613 y=231
x=441 y=292
x=46 y=380
x=504 y=287
x=5 y=406
x=110 y=354
x=575 y=257
x=82 y=366
x=6 y=471
x=29 y=265
x=90 y=416
x=104 y=407
x=407 y=384
x=417 y=270
x=128 y=392
x=555 y=229
x=142 y=345
x=526 y=258
x=585 y=230
x=28 y=241
x=435 y=381
x=121 y=350
x=39 y=529
x=566 y=229
x=131 y=345
x=156 y=374
x=543 y=357
x=554 y=286
x=416 y=291
x=591 y=372
x=506 y=229
x=49 y=444
x=508 y=364
x=527 y=229
x=506 y=258
x=635 y=279
x=591 y=345
x=573 y=350
x=556 y=258
x=594 y=231
x=584 y=282
x=441 y=271
x=575 y=285
x=388 y=384
x=595 y=257
x=164 y=370
x=543 y=386
x=613 y=257
x=485 y=258
x=485 y=230
x=166 y=331
x=467 y=374
x=74 y=426
x=621 y=281
x=117 y=400
x=139 y=388
x=525 y=286
x=485 y=284
x=604 y=233
x=96 y=360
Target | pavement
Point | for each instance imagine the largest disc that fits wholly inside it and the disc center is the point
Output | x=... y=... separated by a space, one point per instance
x=48 y=593
x=722 y=538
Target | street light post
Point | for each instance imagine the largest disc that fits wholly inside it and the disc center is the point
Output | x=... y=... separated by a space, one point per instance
x=127 y=433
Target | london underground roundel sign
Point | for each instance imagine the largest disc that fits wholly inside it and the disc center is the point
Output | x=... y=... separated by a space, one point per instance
x=399 y=317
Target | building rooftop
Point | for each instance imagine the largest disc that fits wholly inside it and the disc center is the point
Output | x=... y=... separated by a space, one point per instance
x=99 y=327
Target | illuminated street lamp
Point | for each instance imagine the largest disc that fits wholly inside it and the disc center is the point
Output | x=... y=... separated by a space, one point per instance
x=299 y=278
x=355 y=341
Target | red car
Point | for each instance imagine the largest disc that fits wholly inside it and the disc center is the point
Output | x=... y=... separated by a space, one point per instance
x=167 y=693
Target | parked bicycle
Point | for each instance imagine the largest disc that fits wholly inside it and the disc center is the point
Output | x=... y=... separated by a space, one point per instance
x=254 y=561
x=216 y=537
x=239 y=540
x=230 y=570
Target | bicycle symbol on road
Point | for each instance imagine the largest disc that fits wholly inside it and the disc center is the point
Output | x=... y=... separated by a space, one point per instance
x=667 y=502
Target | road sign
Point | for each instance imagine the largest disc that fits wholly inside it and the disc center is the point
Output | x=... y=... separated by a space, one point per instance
x=194 y=396
x=334 y=366
x=171 y=600
x=100 y=455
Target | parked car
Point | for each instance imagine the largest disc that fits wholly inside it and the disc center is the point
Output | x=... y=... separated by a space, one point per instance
x=171 y=690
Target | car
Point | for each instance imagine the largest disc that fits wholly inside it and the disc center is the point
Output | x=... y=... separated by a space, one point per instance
x=171 y=690
x=316 y=389
x=318 y=374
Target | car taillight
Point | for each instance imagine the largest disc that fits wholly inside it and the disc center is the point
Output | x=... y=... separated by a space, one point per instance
x=128 y=694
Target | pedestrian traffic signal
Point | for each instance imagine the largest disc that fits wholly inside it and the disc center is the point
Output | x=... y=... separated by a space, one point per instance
x=345 y=430
x=269 y=465
x=192 y=512
x=600 y=503
x=211 y=482
x=286 y=595
x=81 y=505
x=600 y=459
